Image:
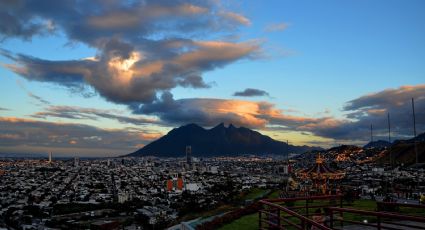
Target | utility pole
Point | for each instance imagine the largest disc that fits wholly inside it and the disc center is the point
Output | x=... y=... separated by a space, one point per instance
x=287 y=152
x=389 y=139
x=414 y=130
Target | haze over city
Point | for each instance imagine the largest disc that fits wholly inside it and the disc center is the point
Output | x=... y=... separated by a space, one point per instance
x=105 y=78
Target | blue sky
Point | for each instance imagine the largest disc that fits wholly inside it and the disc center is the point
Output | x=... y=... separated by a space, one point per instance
x=321 y=57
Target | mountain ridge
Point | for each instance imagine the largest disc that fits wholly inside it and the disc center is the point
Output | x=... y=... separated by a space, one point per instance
x=217 y=141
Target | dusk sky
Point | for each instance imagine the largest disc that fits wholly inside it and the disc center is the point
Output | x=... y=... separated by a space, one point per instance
x=105 y=77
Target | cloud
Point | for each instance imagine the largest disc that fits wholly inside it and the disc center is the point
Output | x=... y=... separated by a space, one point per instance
x=373 y=109
x=361 y=112
x=210 y=112
x=16 y=22
x=3 y=109
x=21 y=133
x=40 y=100
x=125 y=76
x=77 y=113
x=276 y=27
x=144 y=47
x=249 y=92
x=236 y=18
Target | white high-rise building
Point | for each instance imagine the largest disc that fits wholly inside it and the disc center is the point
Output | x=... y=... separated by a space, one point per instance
x=76 y=161
x=50 y=157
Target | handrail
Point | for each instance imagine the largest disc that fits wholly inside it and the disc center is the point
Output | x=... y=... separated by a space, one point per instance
x=379 y=214
x=291 y=211
x=295 y=214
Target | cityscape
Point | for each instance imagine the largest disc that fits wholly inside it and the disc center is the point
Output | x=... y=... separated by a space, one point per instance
x=203 y=115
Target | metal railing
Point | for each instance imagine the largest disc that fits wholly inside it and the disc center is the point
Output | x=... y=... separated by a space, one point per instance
x=381 y=220
x=277 y=215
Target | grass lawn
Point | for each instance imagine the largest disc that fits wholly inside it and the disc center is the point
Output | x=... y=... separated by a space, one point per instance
x=274 y=195
x=247 y=222
x=213 y=212
x=251 y=221
x=254 y=193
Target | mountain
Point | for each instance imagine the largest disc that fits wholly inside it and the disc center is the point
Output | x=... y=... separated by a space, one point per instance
x=403 y=151
x=342 y=149
x=419 y=138
x=218 y=141
x=377 y=144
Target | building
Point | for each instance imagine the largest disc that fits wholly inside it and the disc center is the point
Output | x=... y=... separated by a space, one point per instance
x=76 y=161
x=175 y=184
x=189 y=155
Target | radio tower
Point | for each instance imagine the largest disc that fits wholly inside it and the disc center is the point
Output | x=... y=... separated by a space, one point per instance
x=389 y=139
x=414 y=130
x=287 y=152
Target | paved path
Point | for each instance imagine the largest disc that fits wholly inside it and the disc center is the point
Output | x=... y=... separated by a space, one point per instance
x=355 y=227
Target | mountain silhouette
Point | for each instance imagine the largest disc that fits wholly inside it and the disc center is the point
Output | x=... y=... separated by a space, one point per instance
x=218 y=141
x=380 y=144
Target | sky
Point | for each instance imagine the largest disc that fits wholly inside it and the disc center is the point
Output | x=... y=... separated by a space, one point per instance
x=106 y=77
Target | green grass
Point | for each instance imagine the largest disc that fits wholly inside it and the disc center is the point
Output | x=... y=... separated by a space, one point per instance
x=247 y=222
x=367 y=205
x=204 y=214
x=274 y=194
x=251 y=221
x=413 y=211
x=254 y=193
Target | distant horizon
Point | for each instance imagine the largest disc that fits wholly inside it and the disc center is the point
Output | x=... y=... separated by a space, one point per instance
x=112 y=155
x=112 y=76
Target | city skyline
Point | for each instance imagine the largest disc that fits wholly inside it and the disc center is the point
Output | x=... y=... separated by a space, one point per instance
x=107 y=77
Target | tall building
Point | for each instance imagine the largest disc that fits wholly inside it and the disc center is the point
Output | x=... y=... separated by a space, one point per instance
x=76 y=161
x=50 y=157
x=189 y=154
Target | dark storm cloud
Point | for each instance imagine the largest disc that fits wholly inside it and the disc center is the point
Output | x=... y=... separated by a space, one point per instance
x=144 y=47
x=78 y=113
x=27 y=132
x=16 y=22
x=249 y=92
x=68 y=73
